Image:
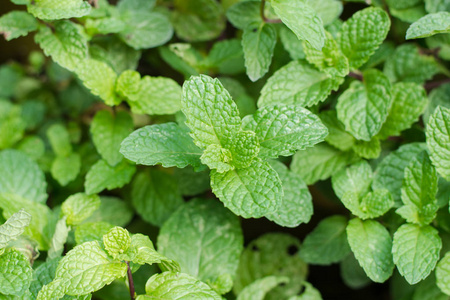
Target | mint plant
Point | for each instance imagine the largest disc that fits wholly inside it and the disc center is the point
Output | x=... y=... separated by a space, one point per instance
x=140 y=140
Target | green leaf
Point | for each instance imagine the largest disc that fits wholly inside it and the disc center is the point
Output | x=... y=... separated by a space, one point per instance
x=17 y=23
x=296 y=207
x=416 y=251
x=284 y=129
x=257 y=290
x=59 y=239
x=66 y=168
x=438 y=97
x=171 y=285
x=327 y=243
x=320 y=162
x=408 y=103
x=273 y=254
x=100 y=79
x=53 y=290
x=433 y=6
x=216 y=157
x=210 y=112
x=330 y=59
x=191 y=183
x=243 y=13
x=438 y=140
x=166 y=144
x=301 y=18
x=362 y=34
x=117 y=241
x=21 y=176
x=252 y=192
x=112 y=210
x=12 y=124
x=407 y=64
x=429 y=25
x=371 y=243
x=364 y=107
x=16 y=274
x=87 y=268
x=244 y=148
x=297 y=83
x=59 y=139
x=290 y=42
x=56 y=9
x=108 y=131
x=337 y=136
x=258 y=43
x=103 y=176
x=79 y=206
x=87 y=232
x=14 y=227
x=66 y=44
x=356 y=178
x=419 y=190
x=327 y=10
x=352 y=274
x=205 y=239
x=368 y=150
x=443 y=274
x=371 y=205
x=43 y=275
x=227 y=57
x=133 y=5
x=155 y=196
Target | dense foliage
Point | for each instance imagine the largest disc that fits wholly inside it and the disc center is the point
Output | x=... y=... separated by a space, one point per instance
x=143 y=136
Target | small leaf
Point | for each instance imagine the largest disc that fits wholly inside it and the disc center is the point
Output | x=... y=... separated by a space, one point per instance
x=244 y=149
x=79 y=206
x=429 y=25
x=13 y=227
x=103 y=176
x=356 y=178
x=112 y=210
x=16 y=274
x=59 y=239
x=371 y=205
x=443 y=274
x=59 y=139
x=17 y=23
x=117 y=241
x=258 y=289
x=66 y=168
x=56 y=9
x=53 y=290
x=243 y=13
x=88 y=232
x=216 y=157
x=337 y=136
x=438 y=140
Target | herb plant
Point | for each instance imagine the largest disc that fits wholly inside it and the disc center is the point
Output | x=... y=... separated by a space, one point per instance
x=141 y=143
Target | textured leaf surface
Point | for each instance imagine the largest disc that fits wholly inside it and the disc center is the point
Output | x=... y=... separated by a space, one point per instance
x=371 y=205
x=43 y=275
x=91 y=231
x=166 y=144
x=252 y=192
x=79 y=206
x=258 y=289
x=337 y=136
x=363 y=107
x=371 y=243
x=17 y=23
x=170 y=285
x=301 y=18
x=244 y=148
x=116 y=241
x=216 y=157
x=408 y=103
x=416 y=251
x=53 y=290
x=108 y=132
x=16 y=274
x=204 y=238
x=14 y=227
x=356 y=178
x=56 y=9
x=362 y=34
x=443 y=274
x=103 y=176
x=155 y=196
x=66 y=44
x=21 y=176
x=282 y=130
x=210 y=112
x=258 y=43
x=429 y=25
x=88 y=268
x=66 y=168
x=327 y=243
x=438 y=140
x=297 y=83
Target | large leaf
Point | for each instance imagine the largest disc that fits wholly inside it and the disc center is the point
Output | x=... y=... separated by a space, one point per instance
x=438 y=140
x=16 y=274
x=57 y=9
x=429 y=25
x=17 y=23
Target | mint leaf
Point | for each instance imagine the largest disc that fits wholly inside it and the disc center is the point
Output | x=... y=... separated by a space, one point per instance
x=408 y=103
x=87 y=232
x=59 y=139
x=59 y=239
x=362 y=34
x=117 y=241
x=371 y=205
x=216 y=157
x=433 y=6
x=429 y=25
x=442 y=274
x=12 y=124
x=112 y=210
x=297 y=83
x=205 y=239
x=320 y=162
x=438 y=140
x=291 y=43
x=108 y=132
x=16 y=274
x=243 y=13
x=353 y=275
x=171 y=285
x=337 y=136
x=66 y=168
x=244 y=148
x=258 y=43
x=252 y=192
x=371 y=243
x=155 y=196
x=43 y=275
x=258 y=289
x=17 y=23
x=364 y=107
x=327 y=10
x=13 y=227
x=416 y=251
x=67 y=44
x=145 y=146
x=356 y=178
x=53 y=290
x=21 y=176
x=79 y=206
x=327 y=243
x=56 y=9
x=227 y=57
x=282 y=130
x=87 y=268
x=296 y=207
x=103 y=176
x=437 y=97
x=301 y=18
x=210 y=112
x=309 y=293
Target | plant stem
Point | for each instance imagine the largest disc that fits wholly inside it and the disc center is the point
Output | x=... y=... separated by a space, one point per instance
x=130 y=282
x=435 y=84
x=356 y=75
x=263 y=17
